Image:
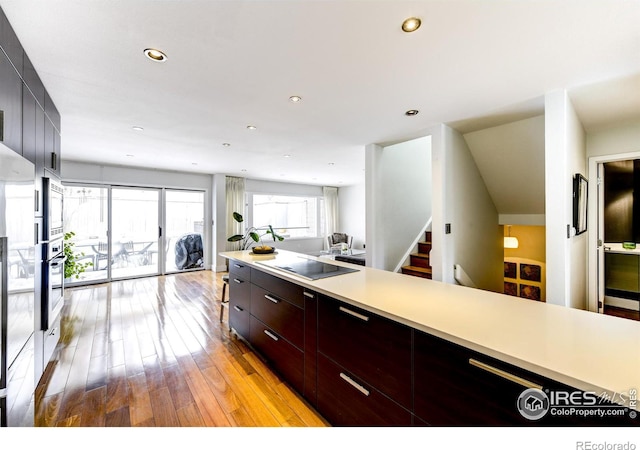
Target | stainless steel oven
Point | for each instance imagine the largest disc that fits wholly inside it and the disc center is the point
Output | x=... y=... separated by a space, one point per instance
x=53 y=208
x=52 y=282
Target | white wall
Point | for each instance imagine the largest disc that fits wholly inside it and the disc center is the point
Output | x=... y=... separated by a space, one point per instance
x=565 y=155
x=351 y=203
x=72 y=171
x=622 y=138
x=476 y=239
x=401 y=185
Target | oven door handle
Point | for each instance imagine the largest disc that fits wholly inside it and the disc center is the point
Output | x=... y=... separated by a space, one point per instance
x=56 y=261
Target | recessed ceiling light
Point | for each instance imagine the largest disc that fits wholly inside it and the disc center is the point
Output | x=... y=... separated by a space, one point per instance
x=137 y=128
x=243 y=170
x=331 y=164
x=155 y=55
x=251 y=127
x=295 y=98
x=226 y=144
x=129 y=156
x=412 y=112
x=194 y=164
x=286 y=156
x=411 y=24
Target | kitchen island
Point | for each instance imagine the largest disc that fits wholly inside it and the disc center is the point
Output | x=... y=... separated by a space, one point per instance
x=422 y=352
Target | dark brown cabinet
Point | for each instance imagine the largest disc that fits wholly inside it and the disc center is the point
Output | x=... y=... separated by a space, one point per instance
x=458 y=386
x=240 y=298
x=283 y=317
x=375 y=349
x=346 y=400
x=282 y=355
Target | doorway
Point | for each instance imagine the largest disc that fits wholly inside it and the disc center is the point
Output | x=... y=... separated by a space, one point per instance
x=614 y=285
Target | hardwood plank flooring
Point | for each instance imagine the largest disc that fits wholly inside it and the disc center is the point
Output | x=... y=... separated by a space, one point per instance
x=152 y=352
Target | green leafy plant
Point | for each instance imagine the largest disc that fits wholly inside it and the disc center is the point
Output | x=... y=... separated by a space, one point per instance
x=72 y=267
x=252 y=234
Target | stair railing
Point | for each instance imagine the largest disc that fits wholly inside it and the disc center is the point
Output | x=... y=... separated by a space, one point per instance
x=413 y=246
x=461 y=276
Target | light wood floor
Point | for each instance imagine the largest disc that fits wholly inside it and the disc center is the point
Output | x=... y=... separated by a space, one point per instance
x=152 y=352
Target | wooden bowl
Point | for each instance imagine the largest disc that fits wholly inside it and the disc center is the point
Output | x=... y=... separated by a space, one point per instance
x=258 y=251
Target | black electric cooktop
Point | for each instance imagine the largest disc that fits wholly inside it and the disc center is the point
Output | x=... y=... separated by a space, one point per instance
x=307 y=268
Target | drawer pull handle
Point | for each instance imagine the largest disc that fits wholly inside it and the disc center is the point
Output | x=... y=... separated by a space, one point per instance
x=238 y=281
x=271 y=335
x=358 y=386
x=506 y=375
x=238 y=266
x=272 y=299
x=353 y=313
x=237 y=308
x=309 y=294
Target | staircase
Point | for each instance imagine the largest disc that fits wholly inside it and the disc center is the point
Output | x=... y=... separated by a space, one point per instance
x=419 y=265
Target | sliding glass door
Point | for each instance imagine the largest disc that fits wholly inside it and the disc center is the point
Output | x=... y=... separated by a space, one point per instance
x=124 y=232
x=86 y=215
x=135 y=214
x=184 y=227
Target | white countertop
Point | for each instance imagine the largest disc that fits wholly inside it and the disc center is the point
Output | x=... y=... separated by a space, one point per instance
x=586 y=350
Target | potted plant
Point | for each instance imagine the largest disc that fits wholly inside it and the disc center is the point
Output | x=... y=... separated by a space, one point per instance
x=72 y=266
x=252 y=235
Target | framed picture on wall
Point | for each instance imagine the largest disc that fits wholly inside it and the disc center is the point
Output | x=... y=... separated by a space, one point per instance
x=580 y=186
x=510 y=270
x=530 y=272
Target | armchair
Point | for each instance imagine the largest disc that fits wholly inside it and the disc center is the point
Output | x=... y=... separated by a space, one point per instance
x=338 y=238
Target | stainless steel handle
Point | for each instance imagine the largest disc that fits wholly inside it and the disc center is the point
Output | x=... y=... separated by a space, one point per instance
x=353 y=313
x=237 y=308
x=309 y=294
x=238 y=281
x=271 y=335
x=502 y=374
x=272 y=299
x=58 y=261
x=358 y=386
x=239 y=266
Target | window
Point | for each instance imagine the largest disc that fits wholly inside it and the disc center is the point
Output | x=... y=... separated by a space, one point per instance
x=291 y=216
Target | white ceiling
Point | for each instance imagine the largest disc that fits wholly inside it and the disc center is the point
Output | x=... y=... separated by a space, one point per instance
x=235 y=63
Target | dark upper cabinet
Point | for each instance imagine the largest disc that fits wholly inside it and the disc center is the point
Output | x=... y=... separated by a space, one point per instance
x=51 y=136
x=10 y=43
x=10 y=105
x=33 y=82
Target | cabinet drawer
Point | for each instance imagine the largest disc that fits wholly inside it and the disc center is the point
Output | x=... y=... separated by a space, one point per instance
x=281 y=288
x=239 y=270
x=239 y=319
x=458 y=386
x=281 y=316
x=345 y=400
x=371 y=347
x=239 y=292
x=285 y=358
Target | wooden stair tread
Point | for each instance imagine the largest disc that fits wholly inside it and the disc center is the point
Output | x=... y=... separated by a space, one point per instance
x=420 y=255
x=417 y=269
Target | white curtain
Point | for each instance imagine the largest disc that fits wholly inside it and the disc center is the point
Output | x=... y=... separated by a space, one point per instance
x=235 y=203
x=331 y=211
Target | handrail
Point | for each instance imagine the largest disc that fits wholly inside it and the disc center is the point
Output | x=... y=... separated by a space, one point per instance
x=461 y=276
x=413 y=246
